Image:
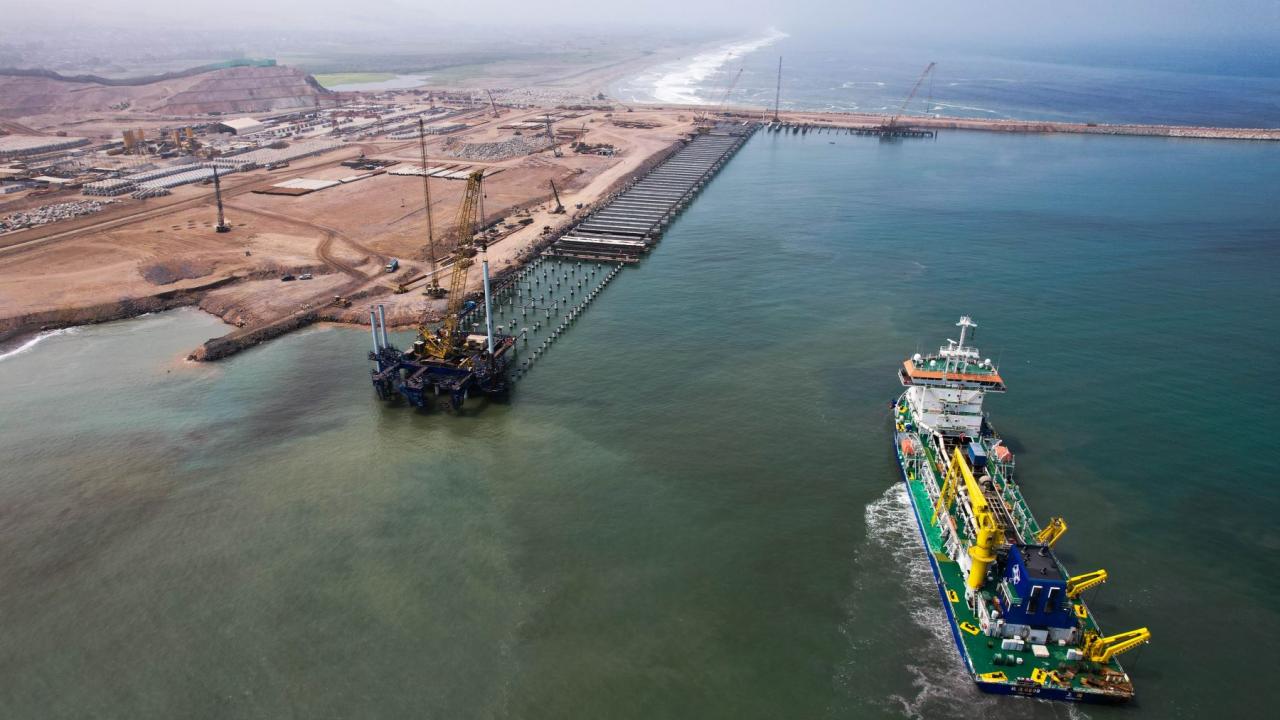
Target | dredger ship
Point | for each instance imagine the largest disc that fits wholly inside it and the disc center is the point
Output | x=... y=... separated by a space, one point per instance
x=1018 y=618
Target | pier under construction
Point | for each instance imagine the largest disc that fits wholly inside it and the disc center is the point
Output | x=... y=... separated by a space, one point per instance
x=625 y=228
x=482 y=348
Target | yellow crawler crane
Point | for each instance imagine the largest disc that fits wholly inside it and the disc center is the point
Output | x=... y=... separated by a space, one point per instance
x=1101 y=649
x=442 y=343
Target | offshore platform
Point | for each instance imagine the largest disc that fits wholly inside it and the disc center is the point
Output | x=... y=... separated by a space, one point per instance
x=448 y=361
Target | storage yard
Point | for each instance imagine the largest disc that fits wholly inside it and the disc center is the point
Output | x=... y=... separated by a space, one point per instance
x=335 y=201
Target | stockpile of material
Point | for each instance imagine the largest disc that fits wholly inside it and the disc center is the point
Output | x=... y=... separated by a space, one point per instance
x=150 y=192
x=50 y=213
x=297 y=150
x=108 y=187
x=500 y=150
x=191 y=175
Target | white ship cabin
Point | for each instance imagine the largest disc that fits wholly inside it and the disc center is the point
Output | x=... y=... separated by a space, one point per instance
x=945 y=390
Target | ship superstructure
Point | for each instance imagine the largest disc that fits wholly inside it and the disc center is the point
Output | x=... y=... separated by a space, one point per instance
x=1018 y=618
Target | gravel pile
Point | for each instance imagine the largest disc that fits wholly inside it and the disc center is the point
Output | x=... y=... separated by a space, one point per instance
x=501 y=150
x=50 y=213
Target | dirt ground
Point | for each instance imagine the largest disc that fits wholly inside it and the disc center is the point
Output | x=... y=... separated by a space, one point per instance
x=343 y=235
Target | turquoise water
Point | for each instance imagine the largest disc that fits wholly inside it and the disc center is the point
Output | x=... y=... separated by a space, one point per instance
x=690 y=507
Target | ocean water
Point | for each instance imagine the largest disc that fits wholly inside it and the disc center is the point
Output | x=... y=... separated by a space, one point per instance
x=690 y=506
x=1232 y=86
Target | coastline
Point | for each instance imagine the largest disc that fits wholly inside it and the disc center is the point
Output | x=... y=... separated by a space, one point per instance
x=18 y=331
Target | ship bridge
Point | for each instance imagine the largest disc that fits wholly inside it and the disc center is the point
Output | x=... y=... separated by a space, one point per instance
x=945 y=390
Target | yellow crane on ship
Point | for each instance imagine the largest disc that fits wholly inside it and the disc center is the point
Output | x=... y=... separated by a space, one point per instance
x=1101 y=649
x=443 y=343
x=983 y=551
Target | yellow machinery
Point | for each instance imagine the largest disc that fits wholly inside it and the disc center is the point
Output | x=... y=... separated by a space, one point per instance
x=1079 y=583
x=1050 y=533
x=442 y=343
x=987 y=532
x=1101 y=649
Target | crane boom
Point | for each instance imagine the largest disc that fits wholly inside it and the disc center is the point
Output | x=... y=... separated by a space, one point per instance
x=777 y=95
x=1050 y=533
x=728 y=91
x=1101 y=649
x=492 y=104
x=442 y=343
x=1079 y=583
x=911 y=95
x=433 y=287
x=559 y=205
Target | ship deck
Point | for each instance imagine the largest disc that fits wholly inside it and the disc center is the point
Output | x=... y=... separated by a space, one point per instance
x=980 y=651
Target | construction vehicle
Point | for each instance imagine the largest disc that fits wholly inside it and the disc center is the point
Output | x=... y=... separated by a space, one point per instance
x=777 y=95
x=340 y=302
x=222 y=225
x=447 y=359
x=433 y=286
x=492 y=103
x=559 y=205
x=894 y=128
x=703 y=119
x=555 y=145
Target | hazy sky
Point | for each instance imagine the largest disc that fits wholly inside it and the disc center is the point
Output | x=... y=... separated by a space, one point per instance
x=1012 y=20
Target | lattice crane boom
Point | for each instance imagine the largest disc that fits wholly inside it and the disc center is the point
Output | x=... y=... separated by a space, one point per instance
x=442 y=343
x=911 y=95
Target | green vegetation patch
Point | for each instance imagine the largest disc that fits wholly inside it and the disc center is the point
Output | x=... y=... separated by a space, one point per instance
x=334 y=79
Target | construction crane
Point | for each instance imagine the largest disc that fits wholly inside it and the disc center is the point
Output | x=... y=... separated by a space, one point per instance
x=893 y=121
x=492 y=104
x=1050 y=533
x=222 y=225
x=559 y=205
x=1077 y=584
x=1101 y=649
x=777 y=95
x=555 y=146
x=433 y=285
x=702 y=119
x=443 y=343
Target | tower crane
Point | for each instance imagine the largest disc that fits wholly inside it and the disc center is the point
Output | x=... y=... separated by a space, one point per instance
x=893 y=121
x=443 y=343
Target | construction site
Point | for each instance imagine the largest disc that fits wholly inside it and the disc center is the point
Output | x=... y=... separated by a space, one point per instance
x=346 y=201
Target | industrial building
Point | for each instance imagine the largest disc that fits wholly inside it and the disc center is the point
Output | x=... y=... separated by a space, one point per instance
x=240 y=126
x=16 y=146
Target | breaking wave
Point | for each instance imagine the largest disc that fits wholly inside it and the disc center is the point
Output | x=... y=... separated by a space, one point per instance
x=36 y=341
x=681 y=85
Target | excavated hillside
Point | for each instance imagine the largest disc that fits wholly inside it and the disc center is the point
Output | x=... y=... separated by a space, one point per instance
x=229 y=90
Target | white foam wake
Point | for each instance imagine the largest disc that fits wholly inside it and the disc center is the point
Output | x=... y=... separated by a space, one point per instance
x=681 y=85
x=36 y=341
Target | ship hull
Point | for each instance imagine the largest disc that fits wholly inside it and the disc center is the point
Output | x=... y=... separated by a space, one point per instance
x=995 y=688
